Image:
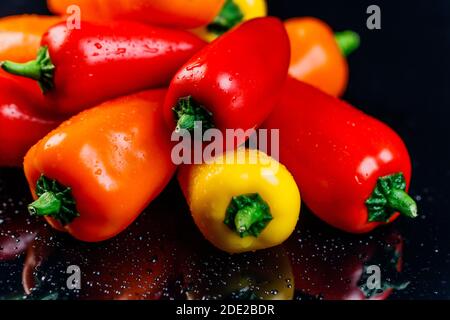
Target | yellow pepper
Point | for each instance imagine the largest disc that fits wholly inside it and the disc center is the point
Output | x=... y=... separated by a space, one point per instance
x=233 y=13
x=242 y=200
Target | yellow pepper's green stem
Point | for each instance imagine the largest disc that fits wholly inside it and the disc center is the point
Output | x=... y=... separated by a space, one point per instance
x=248 y=215
x=230 y=16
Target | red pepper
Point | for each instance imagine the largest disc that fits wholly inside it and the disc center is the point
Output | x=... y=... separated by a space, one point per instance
x=79 y=68
x=21 y=126
x=234 y=82
x=352 y=169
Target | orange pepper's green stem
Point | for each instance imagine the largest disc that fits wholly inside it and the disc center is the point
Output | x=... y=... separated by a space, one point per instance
x=48 y=204
x=54 y=201
x=348 y=41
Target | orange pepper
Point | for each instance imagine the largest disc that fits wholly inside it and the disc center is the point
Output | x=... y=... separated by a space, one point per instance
x=175 y=13
x=318 y=56
x=98 y=171
x=20 y=36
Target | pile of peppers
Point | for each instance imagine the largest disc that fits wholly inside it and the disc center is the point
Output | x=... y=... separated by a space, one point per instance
x=89 y=114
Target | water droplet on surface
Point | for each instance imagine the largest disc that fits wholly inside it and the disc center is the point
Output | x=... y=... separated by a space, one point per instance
x=121 y=50
x=193 y=66
x=151 y=49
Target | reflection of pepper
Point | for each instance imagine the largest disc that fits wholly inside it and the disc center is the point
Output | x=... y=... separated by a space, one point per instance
x=20 y=36
x=227 y=85
x=18 y=229
x=79 y=68
x=16 y=234
x=318 y=55
x=21 y=125
x=242 y=206
x=175 y=13
x=233 y=13
x=137 y=264
x=323 y=270
x=263 y=275
x=352 y=169
x=96 y=173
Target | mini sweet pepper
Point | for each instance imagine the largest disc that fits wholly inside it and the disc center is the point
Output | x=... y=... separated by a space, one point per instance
x=318 y=55
x=94 y=174
x=354 y=171
x=242 y=200
x=171 y=13
x=80 y=68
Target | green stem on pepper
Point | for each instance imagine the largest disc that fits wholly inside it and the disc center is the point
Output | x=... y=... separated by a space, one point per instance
x=55 y=201
x=42 y=69
x=348 y=41
x=248 y=215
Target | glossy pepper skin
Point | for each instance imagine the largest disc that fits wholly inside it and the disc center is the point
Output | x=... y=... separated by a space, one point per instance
x=242 y=206
x=318 y=56
x=173 y=13
x=233 y=13
x=20 y=36
x=226 y=85
x=96 y=173
x=21 y=125
x=340 y=158
x=79 y=68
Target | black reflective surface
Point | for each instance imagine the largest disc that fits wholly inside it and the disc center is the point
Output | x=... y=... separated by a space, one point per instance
x=400 y=75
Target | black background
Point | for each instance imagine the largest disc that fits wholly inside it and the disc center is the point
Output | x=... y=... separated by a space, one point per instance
x=400 y=75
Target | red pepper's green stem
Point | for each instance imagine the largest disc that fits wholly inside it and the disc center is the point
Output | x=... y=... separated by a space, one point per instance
x=389 y=197
x=30 y=69
x=248 y=215
x=400 y=201
x=41 y=69
x=348 y=41
x=230 y=16
x=54 y=201
x=188 y=113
